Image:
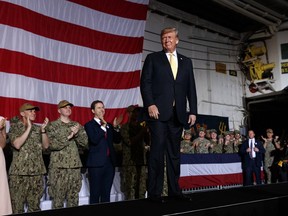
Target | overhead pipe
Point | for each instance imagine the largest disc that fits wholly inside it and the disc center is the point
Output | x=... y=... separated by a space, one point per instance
x=266 y=9
x=261 y=13
x=229 y=4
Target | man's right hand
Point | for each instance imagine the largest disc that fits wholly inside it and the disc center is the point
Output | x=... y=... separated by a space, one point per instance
x=153 y=111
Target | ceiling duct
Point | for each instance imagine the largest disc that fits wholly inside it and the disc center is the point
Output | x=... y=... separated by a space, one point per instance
x=252 y=12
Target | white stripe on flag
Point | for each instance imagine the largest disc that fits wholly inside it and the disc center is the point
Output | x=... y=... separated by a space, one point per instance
x=210 y=169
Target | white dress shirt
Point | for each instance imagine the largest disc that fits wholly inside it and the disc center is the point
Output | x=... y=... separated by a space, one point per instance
x=253 y=153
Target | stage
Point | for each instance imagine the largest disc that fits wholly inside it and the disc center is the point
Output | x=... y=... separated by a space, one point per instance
x=250 y=200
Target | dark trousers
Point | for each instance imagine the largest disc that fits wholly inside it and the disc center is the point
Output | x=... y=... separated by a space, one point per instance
x=165 y=144
x=252 y=170
x=100 y=182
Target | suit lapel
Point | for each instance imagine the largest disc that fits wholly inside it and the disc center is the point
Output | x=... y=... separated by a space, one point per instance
x=180 y=65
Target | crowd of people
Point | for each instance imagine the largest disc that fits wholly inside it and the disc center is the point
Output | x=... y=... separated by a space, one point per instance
x=152 y=141
x=63 y=138
x=266 y=152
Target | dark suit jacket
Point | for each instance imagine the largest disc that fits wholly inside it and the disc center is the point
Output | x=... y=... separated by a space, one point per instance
x=97 y=153
x=158 y=86
x=246 y=156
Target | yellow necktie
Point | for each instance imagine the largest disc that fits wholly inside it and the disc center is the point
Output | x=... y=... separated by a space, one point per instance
x=173 y=65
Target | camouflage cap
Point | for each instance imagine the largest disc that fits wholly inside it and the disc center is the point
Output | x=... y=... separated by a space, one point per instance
x=187 y=131
x=213 y=131
x=236 y=132
x=227 y=133
x=220 y=136
x=201 y=129
x=28 y=106
x=64 y=103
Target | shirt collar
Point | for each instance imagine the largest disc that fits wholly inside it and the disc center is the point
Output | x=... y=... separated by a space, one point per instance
x=174 y=53
x=97 y=120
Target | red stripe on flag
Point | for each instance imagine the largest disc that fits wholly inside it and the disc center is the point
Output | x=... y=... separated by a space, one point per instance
x=48 y=45
x=189 y=182
x=67 y=32
x=132 y=10
x=20 y=63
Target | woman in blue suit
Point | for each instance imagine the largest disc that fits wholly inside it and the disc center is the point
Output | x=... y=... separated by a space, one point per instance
x=101 y=159
x=165 y=96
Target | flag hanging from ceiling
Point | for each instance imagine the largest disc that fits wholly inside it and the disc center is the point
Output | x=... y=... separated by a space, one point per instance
x=77 y=50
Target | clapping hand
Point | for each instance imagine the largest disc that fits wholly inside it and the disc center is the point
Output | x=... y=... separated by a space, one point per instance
x=44 y=124
x=117 y=120
x=2 y=123
x=75 y=129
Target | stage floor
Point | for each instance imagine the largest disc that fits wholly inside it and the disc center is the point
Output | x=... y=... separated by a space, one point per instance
x=250 y=200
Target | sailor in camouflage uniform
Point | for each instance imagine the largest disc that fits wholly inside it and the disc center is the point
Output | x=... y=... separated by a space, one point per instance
x=214 y=147
x=228 y=146
x=220 y=145
x=269 y=145
x=186 y=145
x=26 y=173
x=135 y=136
x=237 y=141
x=201 y=144
x=64 y=176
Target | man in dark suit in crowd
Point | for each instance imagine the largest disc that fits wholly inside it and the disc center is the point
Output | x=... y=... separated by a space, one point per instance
x=101 y=159
x=252 y=151
x=165 y=93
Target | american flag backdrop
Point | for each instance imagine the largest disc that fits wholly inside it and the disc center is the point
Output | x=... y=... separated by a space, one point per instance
x=77 y=50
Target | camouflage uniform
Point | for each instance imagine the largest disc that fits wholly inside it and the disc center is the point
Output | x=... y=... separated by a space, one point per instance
x=268 y=159
x=237 y=141
x=64 y=176
x=218 y=147
x=213 y=145
x=228 y=146
x=202 y=145
x=165 y=182
x=237 y=144
x=213 y=141
x=186 y=147
x=26 y=173
x=133 y=175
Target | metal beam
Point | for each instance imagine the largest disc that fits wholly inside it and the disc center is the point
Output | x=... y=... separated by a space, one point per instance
x=233 y=6
x=268 y=10
x=193 y=20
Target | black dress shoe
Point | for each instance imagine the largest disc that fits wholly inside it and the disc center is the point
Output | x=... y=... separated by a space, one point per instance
x=156 y=199
x=183 y=197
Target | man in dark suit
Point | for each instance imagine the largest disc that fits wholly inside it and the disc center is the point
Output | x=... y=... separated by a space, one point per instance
x=252 y=151
x=165 y=95
x=101 y=159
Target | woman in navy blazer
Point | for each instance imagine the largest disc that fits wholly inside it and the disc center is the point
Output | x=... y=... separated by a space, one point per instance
x=252 y=151
x=101 y=159
x=166 y=100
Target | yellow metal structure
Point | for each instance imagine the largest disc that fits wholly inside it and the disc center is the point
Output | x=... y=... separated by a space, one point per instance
x=255 y=65
x=258 y=68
